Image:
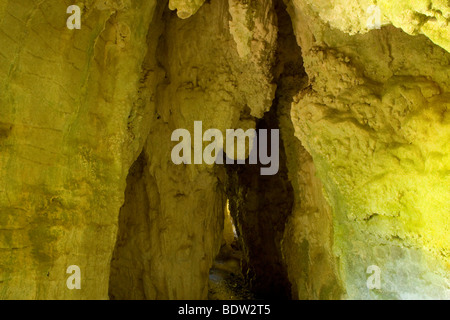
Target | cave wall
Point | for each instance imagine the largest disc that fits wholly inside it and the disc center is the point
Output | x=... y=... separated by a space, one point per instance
x=414 y=17
x=205 y=79
x=66 y=140
x=75 y=120
x=86 y=118
x=284 y=221
x=375 y=121
x=307 y=243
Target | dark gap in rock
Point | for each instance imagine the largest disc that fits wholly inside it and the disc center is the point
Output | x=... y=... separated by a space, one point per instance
x=226 y=281
x=261 y=205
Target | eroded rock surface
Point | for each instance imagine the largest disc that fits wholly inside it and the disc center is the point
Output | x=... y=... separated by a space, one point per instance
x=205 y=80
x=86 y=118
x=375 y=120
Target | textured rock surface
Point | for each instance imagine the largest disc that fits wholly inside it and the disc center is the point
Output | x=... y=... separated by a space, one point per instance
x=375 y=120
x=66 y=142
x=427 y=17
x=184 y=8
x=308 y=235
x=171 y=259
x=86 y=176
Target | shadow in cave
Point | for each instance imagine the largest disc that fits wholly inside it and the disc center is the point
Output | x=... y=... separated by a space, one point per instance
x=260 y=205
x=226 y=281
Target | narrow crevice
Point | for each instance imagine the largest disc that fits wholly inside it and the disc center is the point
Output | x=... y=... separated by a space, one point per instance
x=261 y=205
x=129 y=264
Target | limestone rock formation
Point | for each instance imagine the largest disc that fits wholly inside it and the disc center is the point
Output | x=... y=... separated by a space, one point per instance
x=87 y=178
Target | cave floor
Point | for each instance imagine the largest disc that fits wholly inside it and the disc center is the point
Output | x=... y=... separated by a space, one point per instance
x=226 y=281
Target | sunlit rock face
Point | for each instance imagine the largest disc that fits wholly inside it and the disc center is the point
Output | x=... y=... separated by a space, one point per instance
x=375 y=120
x=87 y=179
x=72 y=123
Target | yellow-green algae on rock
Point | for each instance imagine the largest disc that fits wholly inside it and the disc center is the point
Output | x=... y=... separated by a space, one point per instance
x=67 y=140
x=427 y=17
x=376 y=122
x=85 y=123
